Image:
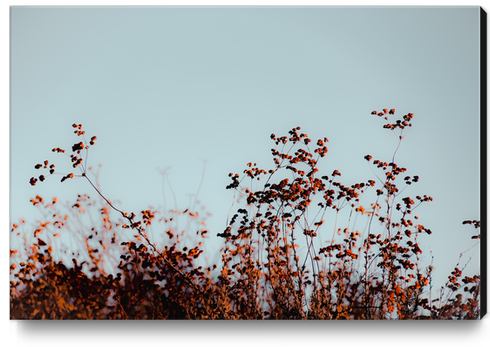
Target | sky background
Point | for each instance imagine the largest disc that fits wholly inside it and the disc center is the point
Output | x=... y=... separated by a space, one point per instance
x=172 y=87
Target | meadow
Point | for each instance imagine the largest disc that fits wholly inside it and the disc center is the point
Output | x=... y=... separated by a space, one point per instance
x=299 y=244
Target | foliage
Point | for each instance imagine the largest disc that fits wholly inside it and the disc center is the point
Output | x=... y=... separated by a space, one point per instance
x=274 y=264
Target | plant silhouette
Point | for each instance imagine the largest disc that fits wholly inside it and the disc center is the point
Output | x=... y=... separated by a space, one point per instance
x=287 y=252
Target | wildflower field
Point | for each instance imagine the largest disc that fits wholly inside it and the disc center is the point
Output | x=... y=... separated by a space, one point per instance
x=299 y=244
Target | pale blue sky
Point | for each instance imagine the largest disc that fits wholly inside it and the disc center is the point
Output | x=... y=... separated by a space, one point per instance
x=171 y=86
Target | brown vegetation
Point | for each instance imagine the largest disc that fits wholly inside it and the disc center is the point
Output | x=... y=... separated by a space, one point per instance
x=275 y=262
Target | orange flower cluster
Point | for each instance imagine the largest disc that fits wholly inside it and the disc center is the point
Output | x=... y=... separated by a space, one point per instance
x=75 y=158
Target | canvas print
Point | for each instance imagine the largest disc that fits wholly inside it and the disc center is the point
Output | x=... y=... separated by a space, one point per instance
x=247 y=163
